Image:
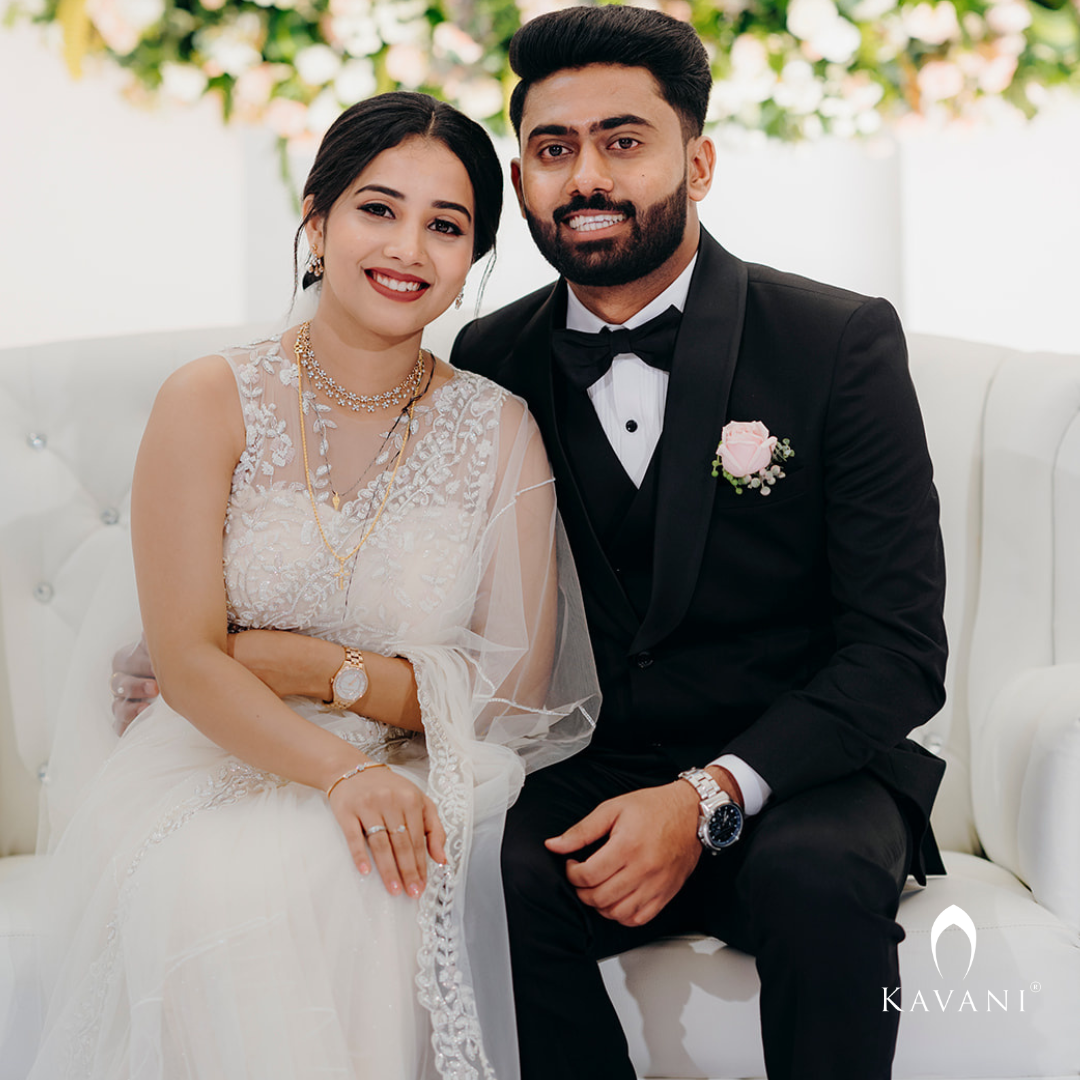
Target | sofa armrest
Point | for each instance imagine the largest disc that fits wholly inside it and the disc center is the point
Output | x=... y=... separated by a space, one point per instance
x=1026 y=784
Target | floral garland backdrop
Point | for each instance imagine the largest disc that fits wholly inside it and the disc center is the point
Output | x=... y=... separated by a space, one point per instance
x=790 y=68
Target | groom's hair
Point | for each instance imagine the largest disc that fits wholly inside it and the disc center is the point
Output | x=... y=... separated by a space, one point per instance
x=626 y=36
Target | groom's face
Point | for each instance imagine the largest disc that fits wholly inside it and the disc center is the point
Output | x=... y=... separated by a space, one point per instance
x=603 y=175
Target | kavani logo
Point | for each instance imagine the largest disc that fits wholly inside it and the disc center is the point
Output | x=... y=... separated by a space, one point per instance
x=954 y=917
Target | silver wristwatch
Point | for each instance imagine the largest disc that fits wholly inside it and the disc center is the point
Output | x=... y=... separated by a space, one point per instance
x=350 y=683
x=720 y=821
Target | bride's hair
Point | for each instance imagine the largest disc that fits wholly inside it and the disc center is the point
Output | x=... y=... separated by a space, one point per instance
x=380 y=123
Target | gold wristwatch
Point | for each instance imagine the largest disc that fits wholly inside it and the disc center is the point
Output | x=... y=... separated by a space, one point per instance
x=350 y=683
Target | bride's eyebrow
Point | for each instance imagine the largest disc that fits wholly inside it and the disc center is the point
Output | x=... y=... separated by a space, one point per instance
x=439 y=204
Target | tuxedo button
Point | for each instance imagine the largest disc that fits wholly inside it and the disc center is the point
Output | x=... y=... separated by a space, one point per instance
x=631 y=426
x=644 y=659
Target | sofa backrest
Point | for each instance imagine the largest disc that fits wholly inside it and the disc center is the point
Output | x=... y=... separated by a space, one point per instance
x=71 y=416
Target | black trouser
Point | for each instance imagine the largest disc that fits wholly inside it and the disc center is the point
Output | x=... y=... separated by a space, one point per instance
x=810 y=889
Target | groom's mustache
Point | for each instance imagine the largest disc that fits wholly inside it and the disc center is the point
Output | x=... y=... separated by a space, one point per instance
x=593 y=202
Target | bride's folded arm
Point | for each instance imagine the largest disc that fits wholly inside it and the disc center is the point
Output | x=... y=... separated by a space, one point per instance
x=183 y=475
x=294 y=663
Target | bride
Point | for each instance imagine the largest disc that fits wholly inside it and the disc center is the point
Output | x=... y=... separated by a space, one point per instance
x=365 y=628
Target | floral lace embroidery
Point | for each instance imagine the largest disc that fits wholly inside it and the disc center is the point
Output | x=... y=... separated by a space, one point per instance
x=455 y=1035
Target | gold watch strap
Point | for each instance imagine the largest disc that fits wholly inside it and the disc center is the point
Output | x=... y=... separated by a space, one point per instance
x=354 y=661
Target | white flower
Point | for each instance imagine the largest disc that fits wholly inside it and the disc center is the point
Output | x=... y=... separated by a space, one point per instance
x=838 y=42
x=253 y=88
x=1008 y=17
x=357 y=35
x=749 y=56
x=355 y=81
x=530 y=9
x=871 y=10
x=935 y=24
x=407 y=64
x=286 y=117
x=798 y=90
x=451 y=40
x=402 y=23
x=1011 y=44
x=231 y=48
x=322 y=112
x=975 y=25
x=869 y=122
x=480 y=97
x=122 y=22
x=824 y=29
x=183 y=82
x=806 y=18
x=940 y=79
x=997 y=75
x=317 y=64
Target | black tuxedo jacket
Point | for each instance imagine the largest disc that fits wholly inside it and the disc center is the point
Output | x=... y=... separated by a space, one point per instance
x=802 y=631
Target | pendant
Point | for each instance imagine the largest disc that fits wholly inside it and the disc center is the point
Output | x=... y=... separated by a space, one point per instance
x=336 y=500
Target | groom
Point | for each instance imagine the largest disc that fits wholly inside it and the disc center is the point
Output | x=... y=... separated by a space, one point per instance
x=766 y=621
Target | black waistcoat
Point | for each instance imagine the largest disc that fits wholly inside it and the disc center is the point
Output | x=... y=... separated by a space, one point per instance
x=623 y=518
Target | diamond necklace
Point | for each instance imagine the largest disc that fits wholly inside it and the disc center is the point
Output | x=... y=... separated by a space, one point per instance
x=343 y=559
x=336 y=392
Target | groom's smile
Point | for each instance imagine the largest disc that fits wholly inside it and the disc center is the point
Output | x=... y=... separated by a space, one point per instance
x=603 y=176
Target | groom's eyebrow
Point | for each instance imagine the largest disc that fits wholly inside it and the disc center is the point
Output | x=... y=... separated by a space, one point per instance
x=607 y=124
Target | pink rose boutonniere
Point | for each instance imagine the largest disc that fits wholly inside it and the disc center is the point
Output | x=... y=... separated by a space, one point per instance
x=749 y=457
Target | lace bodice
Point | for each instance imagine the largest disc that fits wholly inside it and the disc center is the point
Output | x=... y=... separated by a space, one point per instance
x=412 y=576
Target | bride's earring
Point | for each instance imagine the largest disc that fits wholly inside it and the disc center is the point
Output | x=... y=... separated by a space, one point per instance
x=460 y=299
x=314 y=265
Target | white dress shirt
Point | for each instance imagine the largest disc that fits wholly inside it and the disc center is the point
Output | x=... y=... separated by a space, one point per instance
x=629 y=401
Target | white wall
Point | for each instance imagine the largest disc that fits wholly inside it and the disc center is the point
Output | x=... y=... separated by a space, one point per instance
x=119 y=219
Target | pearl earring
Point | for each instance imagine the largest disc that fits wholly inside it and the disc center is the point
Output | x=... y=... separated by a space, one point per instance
x=315 y=265
x=460 y=299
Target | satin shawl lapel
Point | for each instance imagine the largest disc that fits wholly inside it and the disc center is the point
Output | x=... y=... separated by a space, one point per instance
x=529 y=373
x=701 y=372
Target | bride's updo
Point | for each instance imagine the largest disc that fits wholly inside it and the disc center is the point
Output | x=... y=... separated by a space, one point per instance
x=380 y=123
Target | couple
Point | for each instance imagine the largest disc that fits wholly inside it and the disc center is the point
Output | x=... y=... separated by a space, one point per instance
x=765 y=620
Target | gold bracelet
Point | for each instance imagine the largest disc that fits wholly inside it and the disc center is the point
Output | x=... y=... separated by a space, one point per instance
x=356 y=772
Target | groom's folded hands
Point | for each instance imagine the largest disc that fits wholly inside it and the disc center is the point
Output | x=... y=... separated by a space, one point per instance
x=651 y=848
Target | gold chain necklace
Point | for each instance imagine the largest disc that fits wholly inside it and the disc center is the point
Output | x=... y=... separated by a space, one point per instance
x=343 y=559
x=335 y=391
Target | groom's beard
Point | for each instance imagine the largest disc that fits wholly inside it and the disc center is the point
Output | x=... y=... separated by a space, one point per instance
x=654 y=236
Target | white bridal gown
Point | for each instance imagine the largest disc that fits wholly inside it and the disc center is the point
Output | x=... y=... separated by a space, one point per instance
x=210 y=923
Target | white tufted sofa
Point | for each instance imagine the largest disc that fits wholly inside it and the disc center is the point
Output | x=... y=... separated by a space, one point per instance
x=1004 y=430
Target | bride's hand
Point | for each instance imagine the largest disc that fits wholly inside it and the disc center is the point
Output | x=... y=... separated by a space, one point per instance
x=389 y=820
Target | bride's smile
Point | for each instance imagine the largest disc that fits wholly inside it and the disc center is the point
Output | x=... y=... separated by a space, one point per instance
x=396 y=245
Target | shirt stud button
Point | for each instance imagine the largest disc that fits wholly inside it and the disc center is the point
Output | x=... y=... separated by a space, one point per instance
x=631 y=426
x=110 y=515
x=36 y=441
x=43 y=592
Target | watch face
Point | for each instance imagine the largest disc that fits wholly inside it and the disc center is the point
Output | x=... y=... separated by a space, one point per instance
x=350 y=684
x=725 y=825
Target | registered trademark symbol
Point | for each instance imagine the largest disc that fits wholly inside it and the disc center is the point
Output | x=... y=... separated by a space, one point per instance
x=1036 y=987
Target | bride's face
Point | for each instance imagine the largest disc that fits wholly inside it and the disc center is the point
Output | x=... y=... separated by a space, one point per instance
x=398 y=243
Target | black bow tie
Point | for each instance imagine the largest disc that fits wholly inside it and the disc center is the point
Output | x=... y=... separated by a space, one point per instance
x=584 y=357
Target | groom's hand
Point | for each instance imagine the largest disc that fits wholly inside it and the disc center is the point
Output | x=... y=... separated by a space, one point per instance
x=133 y=684
x=650 y=851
